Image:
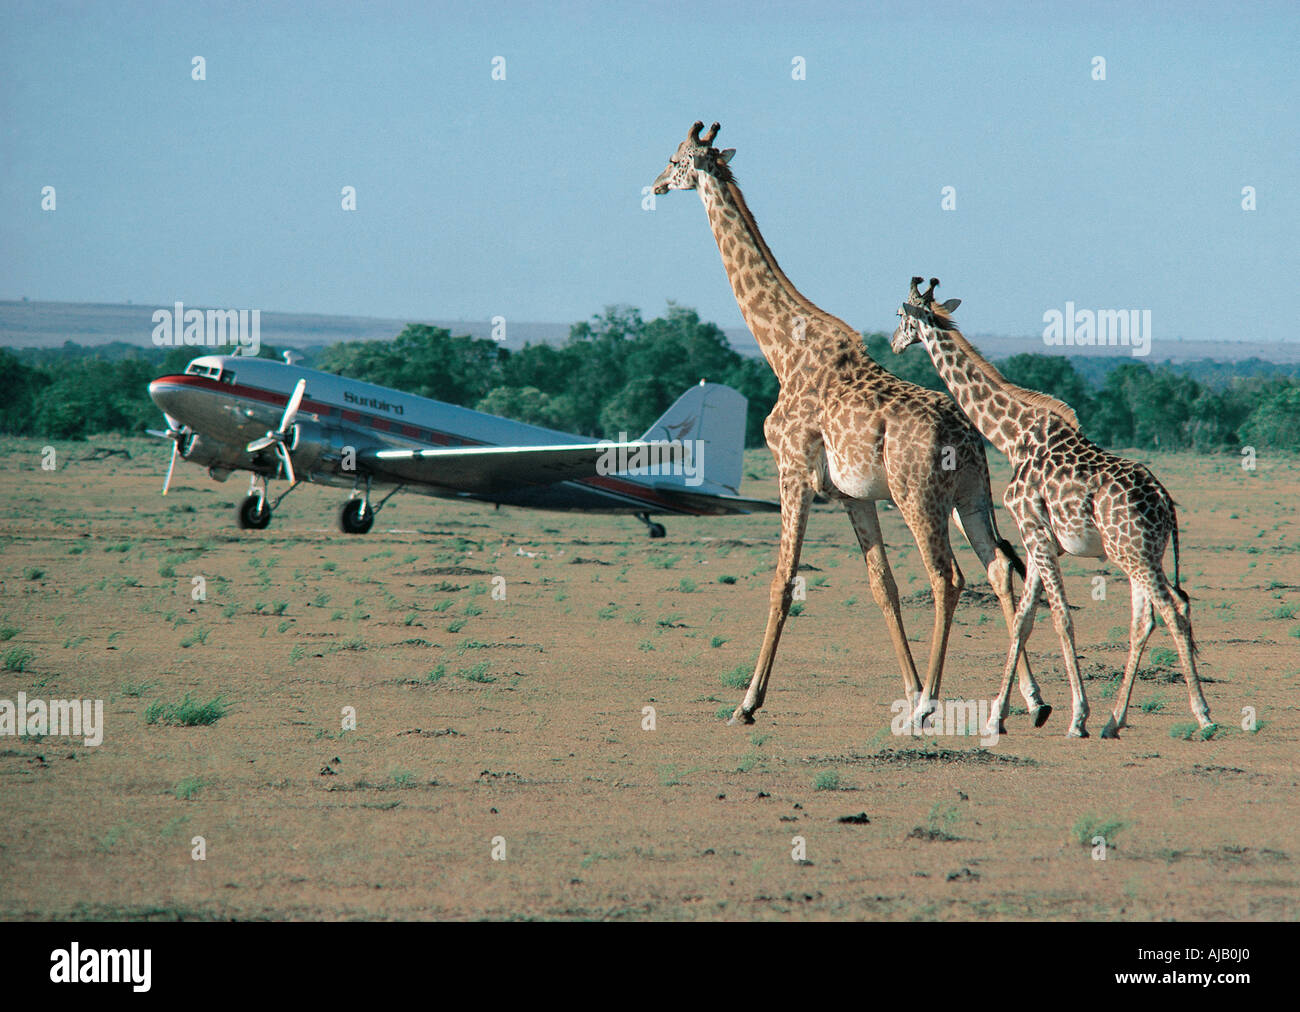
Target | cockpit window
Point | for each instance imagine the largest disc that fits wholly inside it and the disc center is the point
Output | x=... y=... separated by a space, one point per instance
x=199 y=369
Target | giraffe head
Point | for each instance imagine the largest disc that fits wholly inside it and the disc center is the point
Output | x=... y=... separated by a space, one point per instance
x=694 y=155
x=921 y=311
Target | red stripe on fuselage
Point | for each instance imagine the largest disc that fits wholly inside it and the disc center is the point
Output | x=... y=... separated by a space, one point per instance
x=431 y=436
x=611 y=484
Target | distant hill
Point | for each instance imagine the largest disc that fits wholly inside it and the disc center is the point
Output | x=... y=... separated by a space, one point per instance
x=114 y=329
x=1162 y=350
x=51 y=324
x=73 y=373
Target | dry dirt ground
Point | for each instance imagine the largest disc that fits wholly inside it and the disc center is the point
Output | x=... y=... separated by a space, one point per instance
x=515 y=728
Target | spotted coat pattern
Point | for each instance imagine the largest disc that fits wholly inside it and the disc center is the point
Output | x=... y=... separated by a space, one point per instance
x=845 y=428
x=1067 y=495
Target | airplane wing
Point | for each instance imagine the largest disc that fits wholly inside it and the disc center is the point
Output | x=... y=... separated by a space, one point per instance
x=483 y=470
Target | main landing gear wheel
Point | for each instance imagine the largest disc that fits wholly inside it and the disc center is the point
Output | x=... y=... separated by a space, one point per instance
x=351 y=519
x=254 y=513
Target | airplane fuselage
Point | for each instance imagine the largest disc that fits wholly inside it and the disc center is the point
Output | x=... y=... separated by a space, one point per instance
x=225 y=402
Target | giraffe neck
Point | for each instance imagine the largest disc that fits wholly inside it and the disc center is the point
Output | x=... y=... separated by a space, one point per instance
x=787 y=326
x=991 y=402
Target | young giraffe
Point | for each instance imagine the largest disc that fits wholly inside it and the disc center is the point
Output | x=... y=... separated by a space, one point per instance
x=846 y=428
x=1067 y=495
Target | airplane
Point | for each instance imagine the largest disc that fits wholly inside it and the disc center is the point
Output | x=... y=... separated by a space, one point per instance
x=281 y=421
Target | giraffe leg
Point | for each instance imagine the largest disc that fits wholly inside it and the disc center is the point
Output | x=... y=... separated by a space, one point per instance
x=1054 y=587
x=1021 y=625
x=946 y=582
x=1177 y=614
x=1000 y=577
x=866 y=525
x=1139 y=631
x=975 y=526
x=796 y=501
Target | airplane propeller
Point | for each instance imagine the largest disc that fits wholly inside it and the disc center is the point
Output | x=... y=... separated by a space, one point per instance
x=280 y=438
x=175 y=435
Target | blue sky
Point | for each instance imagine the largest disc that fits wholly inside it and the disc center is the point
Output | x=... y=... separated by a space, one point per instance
x=522 y=197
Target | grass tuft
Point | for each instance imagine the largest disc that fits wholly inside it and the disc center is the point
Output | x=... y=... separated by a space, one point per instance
x=189 y=712
x=1090 y=826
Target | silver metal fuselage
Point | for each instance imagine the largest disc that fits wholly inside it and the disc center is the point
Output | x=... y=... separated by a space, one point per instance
x=228 y=401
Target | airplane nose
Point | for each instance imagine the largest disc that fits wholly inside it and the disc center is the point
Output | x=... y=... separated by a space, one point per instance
x=165 y=395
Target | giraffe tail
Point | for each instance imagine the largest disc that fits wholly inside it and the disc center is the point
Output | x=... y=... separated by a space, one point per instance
x=1000 y=544
x=1009 y=551
x=1005 y=546
x=1177 y=580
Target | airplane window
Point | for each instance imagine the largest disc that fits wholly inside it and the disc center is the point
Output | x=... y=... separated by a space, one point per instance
x=198 y=369
x=228 y=377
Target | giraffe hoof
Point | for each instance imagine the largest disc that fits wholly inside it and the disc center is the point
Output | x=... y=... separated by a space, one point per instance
x=1111 y=730
x=922 y=719
x=1040 y=714
x=740 y=717
x=1077 y=732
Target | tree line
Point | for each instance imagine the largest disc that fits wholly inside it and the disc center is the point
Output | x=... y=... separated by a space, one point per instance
x=617 y=373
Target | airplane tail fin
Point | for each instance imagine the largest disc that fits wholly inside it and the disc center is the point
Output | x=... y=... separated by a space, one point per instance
x=709 y=417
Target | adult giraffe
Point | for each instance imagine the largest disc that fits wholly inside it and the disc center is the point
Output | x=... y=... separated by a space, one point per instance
x=1067 y=494
x=846 y=428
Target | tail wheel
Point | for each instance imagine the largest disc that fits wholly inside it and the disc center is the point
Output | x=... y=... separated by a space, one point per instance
x=254 y=513
x=655 y=530
x=351 y=520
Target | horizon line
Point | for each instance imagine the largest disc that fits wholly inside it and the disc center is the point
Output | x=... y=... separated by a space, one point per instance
x=487 y=320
